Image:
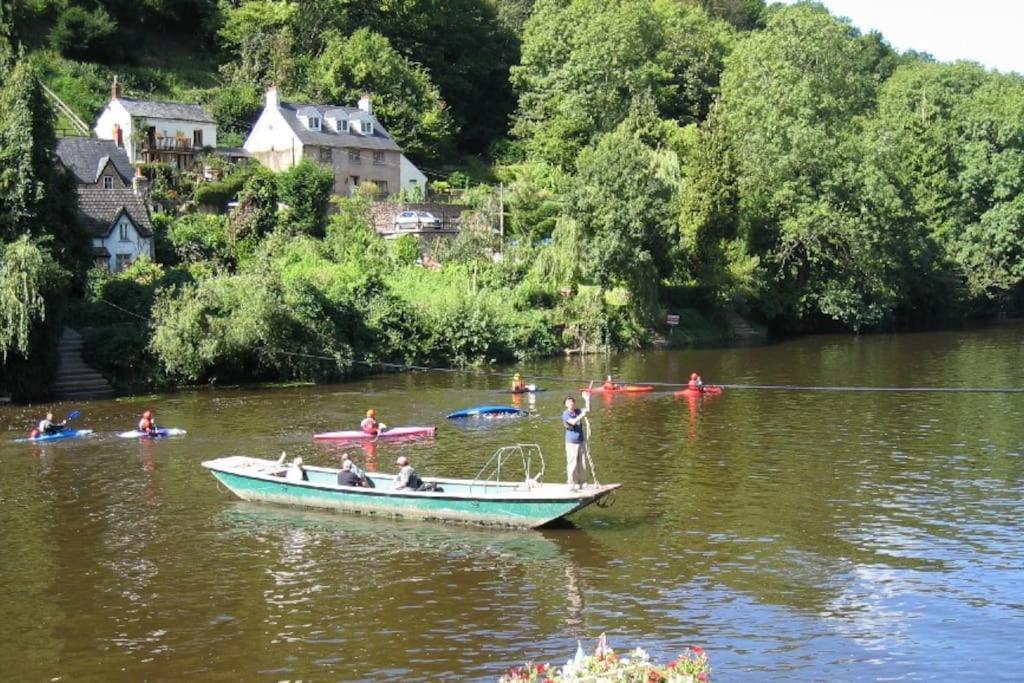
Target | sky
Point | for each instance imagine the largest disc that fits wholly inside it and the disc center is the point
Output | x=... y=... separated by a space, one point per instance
x=984 y=31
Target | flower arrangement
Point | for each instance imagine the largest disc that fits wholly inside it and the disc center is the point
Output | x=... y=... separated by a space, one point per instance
x=604 y=666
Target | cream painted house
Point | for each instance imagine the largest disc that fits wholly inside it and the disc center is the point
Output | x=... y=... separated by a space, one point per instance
x=350 y=140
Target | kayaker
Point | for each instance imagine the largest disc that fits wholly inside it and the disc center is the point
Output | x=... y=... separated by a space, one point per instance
x=609 y=385
x=518 y=386
x=147 y=424
x=407 y=478
x=48 y=426
x=369 y=425
x=695 y=383
x=572 y=420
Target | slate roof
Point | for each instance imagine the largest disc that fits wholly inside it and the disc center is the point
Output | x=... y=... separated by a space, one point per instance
x=328 y=138
x=86 y=157
x=101 y=208
x=166 y=110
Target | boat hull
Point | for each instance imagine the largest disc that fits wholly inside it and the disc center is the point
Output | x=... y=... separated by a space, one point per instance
x=392 y=433
x=496 y=505
x=487 y=411
x=161 y=433
x=59 y=436
x=628 y=389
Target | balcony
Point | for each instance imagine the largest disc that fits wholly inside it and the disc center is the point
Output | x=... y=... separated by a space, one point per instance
x=169 y=144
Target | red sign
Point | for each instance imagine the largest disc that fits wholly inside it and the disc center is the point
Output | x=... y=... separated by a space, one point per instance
x=672 y=319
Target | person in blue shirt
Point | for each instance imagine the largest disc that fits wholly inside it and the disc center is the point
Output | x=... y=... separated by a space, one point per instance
x=572 y=420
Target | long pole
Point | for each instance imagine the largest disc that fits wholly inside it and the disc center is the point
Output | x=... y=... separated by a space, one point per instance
x=501 y=210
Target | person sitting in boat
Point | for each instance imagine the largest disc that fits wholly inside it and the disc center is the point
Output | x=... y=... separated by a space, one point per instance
x=407 y=478
x=369 y=425
x=147 y=424
x=518 y=386
x=609 y=385
x=296 y=472
x=48 y=426
x=695 y=383
x=346 y=477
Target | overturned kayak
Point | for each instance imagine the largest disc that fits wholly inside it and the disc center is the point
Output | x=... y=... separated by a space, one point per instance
x=389 y=433
x=158 y=434
x=707 y=390
x=56 y=436
x=486 y=411
x=621 y=389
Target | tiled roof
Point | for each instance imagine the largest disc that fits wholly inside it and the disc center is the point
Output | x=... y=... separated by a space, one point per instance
x=380 y=139
x=101 y=208
x=166 y=110
x=84 y=157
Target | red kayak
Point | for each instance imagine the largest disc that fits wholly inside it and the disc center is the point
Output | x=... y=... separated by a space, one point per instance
x=708 y=390
x=621 y=389
x=390 y=433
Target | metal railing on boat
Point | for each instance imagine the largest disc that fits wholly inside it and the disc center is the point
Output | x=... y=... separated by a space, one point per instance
x=525 y=454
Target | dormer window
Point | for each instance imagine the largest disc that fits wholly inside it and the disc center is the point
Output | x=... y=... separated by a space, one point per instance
x=108 y=182
x=314 y=122
x=366 y=127
x=343 y=126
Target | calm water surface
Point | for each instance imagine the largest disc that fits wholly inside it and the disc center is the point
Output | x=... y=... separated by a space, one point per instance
x=795 y=535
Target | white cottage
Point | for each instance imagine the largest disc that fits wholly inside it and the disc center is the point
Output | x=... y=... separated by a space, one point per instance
x=118 y=223
x=149 y=130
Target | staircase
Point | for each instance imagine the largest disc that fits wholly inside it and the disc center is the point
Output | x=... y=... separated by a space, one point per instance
x=75 y=379
x=742 y=329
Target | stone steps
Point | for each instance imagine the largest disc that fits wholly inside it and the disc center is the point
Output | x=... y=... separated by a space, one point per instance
x=76 y=380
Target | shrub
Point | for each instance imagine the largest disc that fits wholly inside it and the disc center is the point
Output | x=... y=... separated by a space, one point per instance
x=306 y=189
x=81 y=34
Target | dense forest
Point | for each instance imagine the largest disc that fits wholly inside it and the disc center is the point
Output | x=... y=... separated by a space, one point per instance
x=657 y=156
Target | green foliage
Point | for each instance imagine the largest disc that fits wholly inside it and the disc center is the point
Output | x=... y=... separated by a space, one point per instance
x=202 y=237
x=404 y=99
x=256 y=213
x=27 y=274
x=218 y=193
x=585 y=61
x=81 y=34
x=306 y=190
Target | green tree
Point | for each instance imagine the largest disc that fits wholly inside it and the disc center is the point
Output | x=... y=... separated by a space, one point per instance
x=27 y=275
x=404 y=99
x=306 y=190
x=256 y=213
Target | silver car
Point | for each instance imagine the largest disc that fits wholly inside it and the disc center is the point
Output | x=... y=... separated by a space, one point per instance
x=417 y=220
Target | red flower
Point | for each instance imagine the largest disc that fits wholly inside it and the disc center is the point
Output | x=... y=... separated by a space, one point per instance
x=702 y=676
x=698 y=649
x=540 y=668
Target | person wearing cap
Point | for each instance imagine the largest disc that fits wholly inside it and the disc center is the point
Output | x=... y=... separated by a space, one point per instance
x=346 y=477
x=147 y=423
x=518 y=386
x=572 y=420
x=695 y=383
x=407 y=478
x=296 y=472
x=369 y=425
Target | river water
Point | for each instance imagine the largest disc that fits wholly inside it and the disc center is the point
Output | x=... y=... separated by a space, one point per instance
x=795 y=535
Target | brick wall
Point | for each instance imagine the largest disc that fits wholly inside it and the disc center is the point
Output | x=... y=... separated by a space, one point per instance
x=383 y=213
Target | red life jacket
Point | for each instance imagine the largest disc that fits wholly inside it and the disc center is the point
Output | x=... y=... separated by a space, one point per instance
x=369 y=425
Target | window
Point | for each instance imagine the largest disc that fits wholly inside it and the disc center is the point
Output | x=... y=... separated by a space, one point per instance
x=354 y=156
x=123 y=234
x=108 y=182
x=378 y=158
x=353 y=181
x=326 y=155
x=382 y=186
x=366 y=127
x=314 y=123
x=123 y=261
x=342 y=125
x=197 y=137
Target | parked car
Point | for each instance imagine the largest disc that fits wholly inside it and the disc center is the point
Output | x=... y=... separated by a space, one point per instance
x=417 y=220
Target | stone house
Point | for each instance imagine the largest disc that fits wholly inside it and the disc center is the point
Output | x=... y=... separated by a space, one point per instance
x=111 y=201
x=153 y=131
x=350 y=140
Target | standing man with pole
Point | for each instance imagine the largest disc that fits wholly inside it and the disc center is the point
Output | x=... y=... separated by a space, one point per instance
x=572 y=420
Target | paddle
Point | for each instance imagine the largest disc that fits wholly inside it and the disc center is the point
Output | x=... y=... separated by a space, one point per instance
x=74 y=414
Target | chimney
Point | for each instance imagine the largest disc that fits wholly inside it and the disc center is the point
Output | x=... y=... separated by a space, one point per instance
x=118 y=135
x=140 y=183
x=115 y=89
x=273 y=102
x=365 y=104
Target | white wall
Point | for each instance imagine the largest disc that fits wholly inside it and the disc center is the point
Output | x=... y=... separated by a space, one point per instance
x=410 y=176
x=133 y=246
x=115 y=113
x=272 y=141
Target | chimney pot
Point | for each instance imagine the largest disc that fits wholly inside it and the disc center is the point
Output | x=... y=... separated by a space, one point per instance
x=272 y=98
x=115 y=89
x=365 y=104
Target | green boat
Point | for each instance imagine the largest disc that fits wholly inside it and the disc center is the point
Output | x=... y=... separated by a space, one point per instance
x=488 y=499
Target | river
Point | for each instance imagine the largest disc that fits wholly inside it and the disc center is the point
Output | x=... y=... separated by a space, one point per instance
x=795 y=535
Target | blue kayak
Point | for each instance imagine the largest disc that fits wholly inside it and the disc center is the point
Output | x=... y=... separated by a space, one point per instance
x=484 y=411
x=56 y=436
x=158 y=434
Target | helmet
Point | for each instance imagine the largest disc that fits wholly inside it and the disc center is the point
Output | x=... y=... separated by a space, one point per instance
x=516 y=376
x=148 y=414
x=693 y=375
x=371 y=413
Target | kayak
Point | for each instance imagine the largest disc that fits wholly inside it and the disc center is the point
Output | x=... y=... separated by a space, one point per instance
x=524 y=391
x=160 y=433
x=486 y=411
x=627 y=389
x=57 y=436
x=708 y=391
x=389 y=433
